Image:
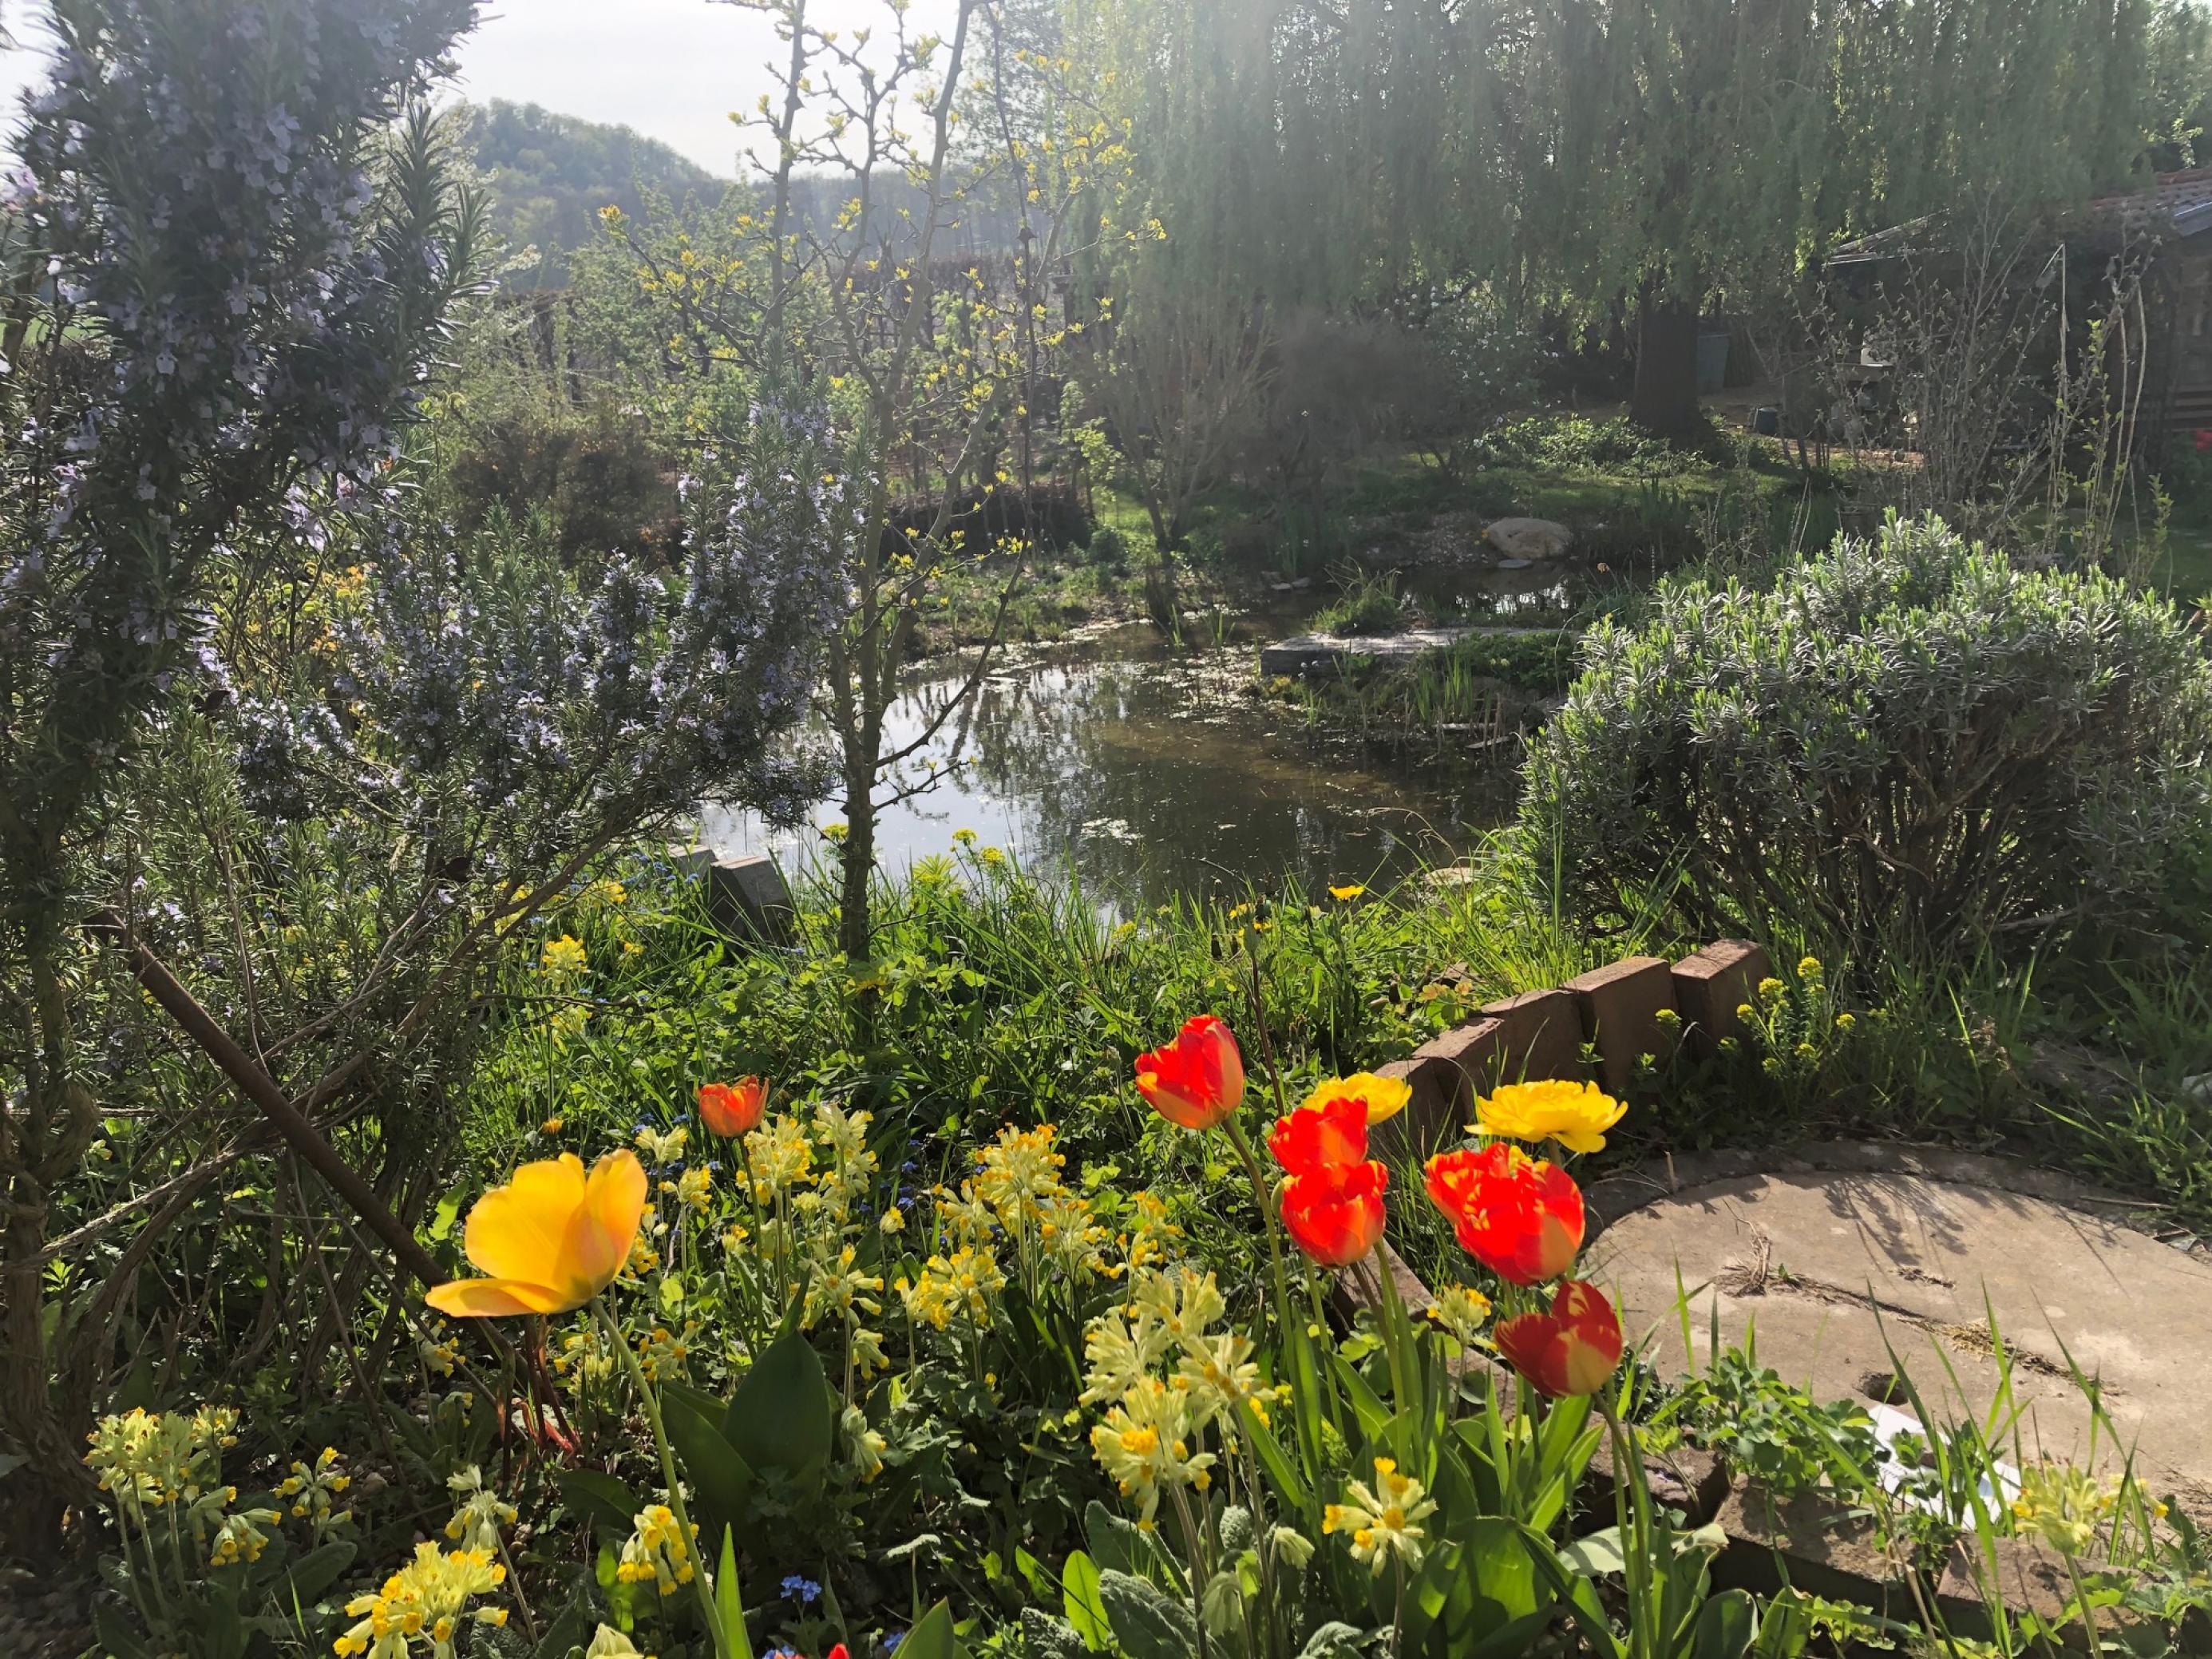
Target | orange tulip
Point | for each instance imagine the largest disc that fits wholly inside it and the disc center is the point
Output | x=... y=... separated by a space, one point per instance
x=1380 y=1097
x=1573 y=1349
x=1521 y=1218
x=731 y=1109
x=552 y=1238
x=1198 y=1079
x=1334 y=1212
x=1312 y=1137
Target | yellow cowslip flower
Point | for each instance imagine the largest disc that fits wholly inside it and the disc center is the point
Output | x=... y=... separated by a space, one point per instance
x=1144 y=1446
x=563 y=956
x=552 y=1126
x=480 y=1514
x=1019 y=1172
x=1460 y=1310
x=2063 y=1506
x=552 y=1238
x=696 y=1186
x=656 y=1550
x=1576 y=1114
x=781 y=1156
x=965 y=1282
x=426 y=1598
x=1383 y=1521
x=1384 y=1097
x=607 y=1642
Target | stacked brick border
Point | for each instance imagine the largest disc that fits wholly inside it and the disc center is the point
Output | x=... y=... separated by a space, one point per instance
x=1614 y=1010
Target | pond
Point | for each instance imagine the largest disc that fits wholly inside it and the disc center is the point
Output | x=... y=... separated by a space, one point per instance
x=1148 y=771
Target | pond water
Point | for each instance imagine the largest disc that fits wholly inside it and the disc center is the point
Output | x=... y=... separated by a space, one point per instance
x=1148 y=771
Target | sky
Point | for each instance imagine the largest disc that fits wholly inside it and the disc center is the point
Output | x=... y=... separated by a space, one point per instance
x=672 y=68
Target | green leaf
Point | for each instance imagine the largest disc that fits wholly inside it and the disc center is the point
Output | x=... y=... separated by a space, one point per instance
x=729 y=1605
x=115 y=1637
x=1334 y=1640
x=1596 y=1555
x=933 y=1637
x=441 y=1224
x=606 y=1500
x=1284 y=1479
x=716 y=1472
x=1116 y=1544
x=318 y=1569
x=567 y=1635
x=1078 y=1584
x=1725 y=1627
x=779 y=1419
x=1047 y=1637
x=1145 y=1622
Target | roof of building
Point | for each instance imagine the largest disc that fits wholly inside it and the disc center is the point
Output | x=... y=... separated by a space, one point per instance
x=2172 y=204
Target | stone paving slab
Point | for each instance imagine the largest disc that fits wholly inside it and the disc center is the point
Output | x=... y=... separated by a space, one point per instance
x=1304 y=652
x=1829 y=1271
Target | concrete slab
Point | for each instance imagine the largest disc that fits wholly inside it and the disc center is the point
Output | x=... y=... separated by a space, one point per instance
x=1303 y=653
x=1831 y=1270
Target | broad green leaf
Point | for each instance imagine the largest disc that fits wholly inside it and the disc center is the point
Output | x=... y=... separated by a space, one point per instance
x=1116 y=1544
x=1048 y=1638
x=320 y=1568
x=115 y=1637
x=933 y=1636
x=1596 y=1555
x=610 y=1503
x=719 y=1476
x=1145 y=1622
x=779 y=1419
x=1334 y=1640
x=1079 y=1582
x=1726 y=1626
x=729 y=1605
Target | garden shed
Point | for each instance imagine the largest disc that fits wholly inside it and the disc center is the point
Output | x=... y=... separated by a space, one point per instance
x=2168 y=224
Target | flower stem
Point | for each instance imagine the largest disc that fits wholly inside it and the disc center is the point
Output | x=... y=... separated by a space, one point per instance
x=703 y=1590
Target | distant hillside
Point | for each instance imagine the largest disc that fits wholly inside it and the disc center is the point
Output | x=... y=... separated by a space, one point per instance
x=549 y=175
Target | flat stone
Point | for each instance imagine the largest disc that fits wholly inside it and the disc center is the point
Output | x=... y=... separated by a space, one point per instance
x=748 y=899
x=1304 y=653
x=1529 y=538
x=1835 y=1268
x=1515 y=564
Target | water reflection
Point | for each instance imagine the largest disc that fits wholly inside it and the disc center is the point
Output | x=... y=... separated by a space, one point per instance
x=1150 y=773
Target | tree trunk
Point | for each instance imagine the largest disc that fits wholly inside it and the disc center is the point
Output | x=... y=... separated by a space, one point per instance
x=857 y=861
x=1665 y=400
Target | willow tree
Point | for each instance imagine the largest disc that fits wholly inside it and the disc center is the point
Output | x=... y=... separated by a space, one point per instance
x=1667 y=154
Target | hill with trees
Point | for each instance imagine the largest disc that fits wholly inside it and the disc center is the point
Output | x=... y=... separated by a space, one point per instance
x=549 y=175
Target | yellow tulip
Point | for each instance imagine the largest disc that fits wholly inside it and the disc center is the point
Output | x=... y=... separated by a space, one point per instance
x=1576 y=1114
x=552 y=1238
x=1384 y=1097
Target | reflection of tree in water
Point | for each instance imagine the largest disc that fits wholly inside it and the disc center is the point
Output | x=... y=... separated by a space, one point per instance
x=1207 y=797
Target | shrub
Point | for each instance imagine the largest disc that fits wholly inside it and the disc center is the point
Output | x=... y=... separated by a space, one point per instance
x=1908 y=742
x=1108 y=548
x=1368 y=604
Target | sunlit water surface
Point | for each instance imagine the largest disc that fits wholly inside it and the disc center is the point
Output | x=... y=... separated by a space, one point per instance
x=1146 y=772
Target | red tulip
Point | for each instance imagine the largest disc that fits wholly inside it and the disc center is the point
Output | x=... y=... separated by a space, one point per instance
x=1312 y=1138
x=1198 y=1079
x=1573 y=1349
x=838 y=1652
x=1334 y=1212
x=731 y=1109
x=2203 y=439
x=1521 y=1218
